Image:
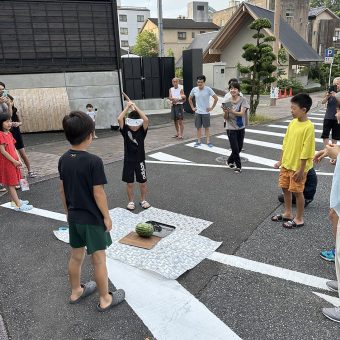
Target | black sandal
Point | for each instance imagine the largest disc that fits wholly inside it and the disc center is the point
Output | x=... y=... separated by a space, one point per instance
x=292 y=225
x=280 y=218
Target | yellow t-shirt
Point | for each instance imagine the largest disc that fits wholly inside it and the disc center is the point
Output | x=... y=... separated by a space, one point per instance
x=298 y=143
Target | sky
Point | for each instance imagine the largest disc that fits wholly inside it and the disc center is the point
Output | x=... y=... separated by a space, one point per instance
x=171 y=8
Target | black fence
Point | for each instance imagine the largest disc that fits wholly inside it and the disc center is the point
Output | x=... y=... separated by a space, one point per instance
x=56 y=36
x=147 y=77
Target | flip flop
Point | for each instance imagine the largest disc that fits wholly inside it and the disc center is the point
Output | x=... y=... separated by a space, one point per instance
x=131 y=206
x=117 y=297
x=89 y=288
x=292 y=225
x=174 y=136
x=145 y=204
x=280 y=218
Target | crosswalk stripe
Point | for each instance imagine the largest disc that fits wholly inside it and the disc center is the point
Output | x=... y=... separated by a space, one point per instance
x=316 y=118
x=276 y=134
x=319 y=124
x=224 y=152
x=161 y=156
x=285 y=127
x=317 y=114
x=257 y=142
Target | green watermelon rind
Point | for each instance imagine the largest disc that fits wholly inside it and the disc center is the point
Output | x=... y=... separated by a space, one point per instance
x=144 y=229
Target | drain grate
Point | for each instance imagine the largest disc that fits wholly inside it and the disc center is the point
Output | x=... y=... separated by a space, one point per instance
x=223 y=159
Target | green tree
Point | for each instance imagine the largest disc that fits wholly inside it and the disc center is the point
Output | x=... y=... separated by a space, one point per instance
x=261 y=57
x=146 y=44
x=170 y=53
x=333 y=5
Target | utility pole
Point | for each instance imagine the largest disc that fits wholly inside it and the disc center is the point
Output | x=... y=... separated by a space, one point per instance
x=277 y=16
x=160 y=28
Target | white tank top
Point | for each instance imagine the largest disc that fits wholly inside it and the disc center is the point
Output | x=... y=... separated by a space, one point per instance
x=176 y=93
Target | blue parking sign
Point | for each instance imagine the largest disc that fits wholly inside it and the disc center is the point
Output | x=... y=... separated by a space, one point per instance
x=329 y=53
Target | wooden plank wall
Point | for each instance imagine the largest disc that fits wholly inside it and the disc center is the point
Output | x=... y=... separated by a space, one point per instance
x=41 y=109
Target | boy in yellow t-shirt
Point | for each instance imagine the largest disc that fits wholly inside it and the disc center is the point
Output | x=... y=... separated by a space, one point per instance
x=298 y=150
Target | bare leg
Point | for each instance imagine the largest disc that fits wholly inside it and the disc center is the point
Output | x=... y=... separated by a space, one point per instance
x=100 y=276
x=181 y=127
x=207 y=135
x=129 y=189
x=74 y=271
x=288 y=203
x=143 y=191
x=24 y=157
x=14 y=195
x=333 y=216
x=300 y=207
x=176 y=127
x=199 y=135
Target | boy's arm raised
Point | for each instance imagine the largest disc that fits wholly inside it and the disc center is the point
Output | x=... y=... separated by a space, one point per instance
x=122 y=115
x=101 y=201
x=143 y=116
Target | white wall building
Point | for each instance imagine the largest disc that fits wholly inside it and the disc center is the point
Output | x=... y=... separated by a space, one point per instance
x=130 y=20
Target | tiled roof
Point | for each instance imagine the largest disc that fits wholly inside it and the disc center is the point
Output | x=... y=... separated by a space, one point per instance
x=184 y=23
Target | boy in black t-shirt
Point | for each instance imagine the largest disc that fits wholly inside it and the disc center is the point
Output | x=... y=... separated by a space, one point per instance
x=82 y=192
x=134 y=130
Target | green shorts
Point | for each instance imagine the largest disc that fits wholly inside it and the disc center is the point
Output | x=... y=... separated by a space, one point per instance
x=93 y=237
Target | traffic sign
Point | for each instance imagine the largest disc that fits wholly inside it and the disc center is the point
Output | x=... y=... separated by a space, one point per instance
x=329 y=60
x=329 y=53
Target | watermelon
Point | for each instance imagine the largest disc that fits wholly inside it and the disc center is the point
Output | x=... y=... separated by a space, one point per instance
x=144 y=229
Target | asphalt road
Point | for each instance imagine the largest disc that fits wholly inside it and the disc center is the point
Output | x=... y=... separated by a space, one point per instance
x=33 y=276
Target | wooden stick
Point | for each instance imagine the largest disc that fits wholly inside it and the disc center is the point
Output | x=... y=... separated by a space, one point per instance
x=126 y=97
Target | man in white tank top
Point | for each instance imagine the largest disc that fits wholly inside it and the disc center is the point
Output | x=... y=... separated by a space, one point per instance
x=177 y=98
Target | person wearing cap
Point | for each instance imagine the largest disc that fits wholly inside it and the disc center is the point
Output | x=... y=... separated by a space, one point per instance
x=134 y=128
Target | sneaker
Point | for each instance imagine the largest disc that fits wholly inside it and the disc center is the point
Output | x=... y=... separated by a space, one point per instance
x=307 y=202
x=230 y=165
x=332 y=313
x=21 y=203
x=328 y=255
x=196 y=145
x=210 y=145
x=32 y=174
x=24 y=207
x=237 y=170
x=332 y=285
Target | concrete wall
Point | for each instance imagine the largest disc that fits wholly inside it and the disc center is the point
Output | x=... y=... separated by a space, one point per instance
x=195 y=14
x=98 y=88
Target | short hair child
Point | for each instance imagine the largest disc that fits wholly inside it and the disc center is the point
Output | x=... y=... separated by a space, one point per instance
x=298 y=150
x=82 y=192
x=134 y=129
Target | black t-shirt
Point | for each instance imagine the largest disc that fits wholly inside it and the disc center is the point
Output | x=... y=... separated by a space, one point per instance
x=133 y=144
x=15 y=118
x=80 y=171
x=332 y=104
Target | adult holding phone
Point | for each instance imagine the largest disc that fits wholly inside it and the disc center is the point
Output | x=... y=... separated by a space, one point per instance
x=330 y=123
x=235 y=112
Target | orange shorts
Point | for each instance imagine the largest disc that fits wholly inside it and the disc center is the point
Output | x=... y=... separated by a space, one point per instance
x=286 y=181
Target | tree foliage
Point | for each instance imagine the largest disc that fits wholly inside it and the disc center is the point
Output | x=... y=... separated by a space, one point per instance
x=146 y=44
x=333 y=5
x=261 y=57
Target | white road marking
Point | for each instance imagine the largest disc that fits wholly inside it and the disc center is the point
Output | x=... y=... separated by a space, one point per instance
x=315 y=118
x=40 y=212
x=268 y=269
x=224 y=152
x=225 y=167
x=318 y=124
x=265 y=133
x=322 y=110
x=331 y=299
x=285 y=127
x=316 y=114
x=166 y=307
x=257 y=142
x=161 y=156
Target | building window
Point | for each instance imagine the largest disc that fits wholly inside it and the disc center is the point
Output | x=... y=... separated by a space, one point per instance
x=200 y=8
x=124 y=31
x=289 y=13
x=193 y=35
x=337 y=35
x=181 y=35
x=124 y=43
x=140 y=18
x=123 y=17
x=201 y=32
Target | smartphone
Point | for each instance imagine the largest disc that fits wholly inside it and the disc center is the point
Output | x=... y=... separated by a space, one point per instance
x=227 y=105
x=332 y=88
x=4 y=93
